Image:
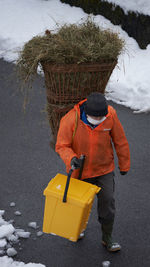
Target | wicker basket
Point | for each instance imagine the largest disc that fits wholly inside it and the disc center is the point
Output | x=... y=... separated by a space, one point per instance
x=68 y=84
x=55 y=113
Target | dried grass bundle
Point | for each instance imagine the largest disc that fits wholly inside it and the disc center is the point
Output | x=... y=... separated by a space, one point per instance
x=83 y=43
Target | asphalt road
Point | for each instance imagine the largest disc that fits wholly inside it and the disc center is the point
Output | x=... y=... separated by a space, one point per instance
x=27 y=163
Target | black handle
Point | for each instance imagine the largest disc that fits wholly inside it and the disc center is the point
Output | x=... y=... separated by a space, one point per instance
x=82 y=158
x=67 y=185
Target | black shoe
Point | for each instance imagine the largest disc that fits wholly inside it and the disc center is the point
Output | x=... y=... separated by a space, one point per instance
x=111 y=246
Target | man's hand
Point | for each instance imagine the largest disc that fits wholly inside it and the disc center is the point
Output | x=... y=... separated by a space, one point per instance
x=76 y=163
x=123 y=173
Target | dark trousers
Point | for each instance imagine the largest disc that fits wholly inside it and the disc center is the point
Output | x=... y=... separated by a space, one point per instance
x=105 y=198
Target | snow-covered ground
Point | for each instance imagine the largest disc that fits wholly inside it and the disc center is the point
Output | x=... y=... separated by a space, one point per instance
x=21 y=20
x=140 y=6
x=11 y=237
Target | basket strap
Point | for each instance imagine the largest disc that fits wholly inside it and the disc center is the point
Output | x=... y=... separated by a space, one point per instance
x=76 y=125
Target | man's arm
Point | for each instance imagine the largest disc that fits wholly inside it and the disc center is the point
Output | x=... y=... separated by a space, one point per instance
x=121 y=144
x=64 y=138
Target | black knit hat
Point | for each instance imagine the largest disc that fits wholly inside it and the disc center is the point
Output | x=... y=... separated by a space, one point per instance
x=96 y=105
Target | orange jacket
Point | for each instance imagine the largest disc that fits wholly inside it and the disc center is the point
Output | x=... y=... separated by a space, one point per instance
x=95 y=144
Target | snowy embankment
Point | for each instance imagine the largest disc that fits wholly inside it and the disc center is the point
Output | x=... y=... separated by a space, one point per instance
x=130 y=81
x=140 y=6
x=10 y=238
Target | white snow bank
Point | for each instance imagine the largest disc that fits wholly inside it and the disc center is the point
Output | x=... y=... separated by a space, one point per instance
x=21 y=20
x=8 y=262
x=141 y=6
x=131 y=88
x=9 y=236
x=129 y=84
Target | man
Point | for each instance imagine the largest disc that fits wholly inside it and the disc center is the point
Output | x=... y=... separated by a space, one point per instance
x=89 y=129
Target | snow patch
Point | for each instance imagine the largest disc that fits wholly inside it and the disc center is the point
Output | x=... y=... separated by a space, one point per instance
x=11 y=252
x=9 y=236
x=6 y=230
x=12 y=204
x=3 y=243
x=39 y=233
x=8 y=262
x=32 y=225
x=17 y=213
x=23 y=234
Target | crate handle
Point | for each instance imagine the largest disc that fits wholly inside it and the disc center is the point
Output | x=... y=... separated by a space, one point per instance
x=82 y=158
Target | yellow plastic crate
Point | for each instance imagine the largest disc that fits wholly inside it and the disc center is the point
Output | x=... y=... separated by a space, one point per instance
x=68 y=219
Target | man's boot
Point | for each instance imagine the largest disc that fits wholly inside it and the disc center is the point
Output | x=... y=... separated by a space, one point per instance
x=107 y=238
